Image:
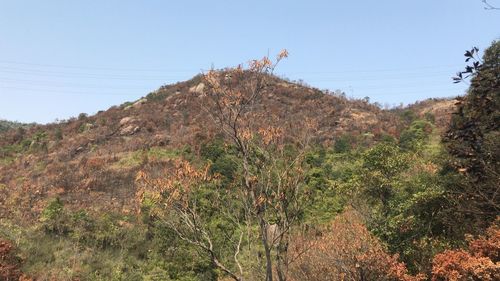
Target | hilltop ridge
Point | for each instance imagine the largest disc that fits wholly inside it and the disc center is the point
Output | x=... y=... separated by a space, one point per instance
x=91 y=161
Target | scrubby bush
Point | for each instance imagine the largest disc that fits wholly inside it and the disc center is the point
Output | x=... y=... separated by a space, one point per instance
x=413 y=137
x=480 y=262
x=346 y=251
x=342 y=144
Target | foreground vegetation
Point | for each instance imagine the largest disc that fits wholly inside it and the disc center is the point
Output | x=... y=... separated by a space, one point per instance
x=256 y=204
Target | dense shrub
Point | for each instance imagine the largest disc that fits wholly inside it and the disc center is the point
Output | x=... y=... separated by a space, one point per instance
x=346 y=251
x=415 y=135
x=480 y=262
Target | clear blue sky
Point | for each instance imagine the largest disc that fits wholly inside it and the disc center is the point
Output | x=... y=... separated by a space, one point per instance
x=60 y=58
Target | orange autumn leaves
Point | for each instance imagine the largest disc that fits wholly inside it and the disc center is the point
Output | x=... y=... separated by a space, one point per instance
x=480 y=262
x=175 y=188
x=265 y=63
x=348 y=251
x=230 y=97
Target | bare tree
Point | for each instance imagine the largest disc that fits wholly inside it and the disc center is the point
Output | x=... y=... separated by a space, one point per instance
x=270 y=190
x=178 y=206
x=272 y=176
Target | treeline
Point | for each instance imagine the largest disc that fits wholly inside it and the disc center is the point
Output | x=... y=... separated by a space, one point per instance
x=7 y=125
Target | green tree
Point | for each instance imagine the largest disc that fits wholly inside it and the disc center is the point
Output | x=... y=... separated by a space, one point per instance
x=473 y=138
x=414 y=136
x=342 y=144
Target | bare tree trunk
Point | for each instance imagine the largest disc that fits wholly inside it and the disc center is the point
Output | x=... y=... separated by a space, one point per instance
x=281 y=262
x=280 y=270
x=267 y=249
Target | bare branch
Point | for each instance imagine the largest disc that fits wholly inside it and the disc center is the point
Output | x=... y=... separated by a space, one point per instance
x=488 y=6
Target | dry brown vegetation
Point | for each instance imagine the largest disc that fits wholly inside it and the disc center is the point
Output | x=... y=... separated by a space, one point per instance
x=347 y=251
x=90 y=163
x=240 y=174
x=10 y=264
x=480 y=262
x=87 y=161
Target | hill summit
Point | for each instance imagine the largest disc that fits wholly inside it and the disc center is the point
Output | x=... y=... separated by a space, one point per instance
x=91 y=161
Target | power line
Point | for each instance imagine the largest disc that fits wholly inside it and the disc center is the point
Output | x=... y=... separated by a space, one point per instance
x=343 y=69
x=38 y=83
x=80 y=75
x=50 y=91
x=25 y=69
x=68 y=85
x=97 y=67
x=163 y=78
x=377 y=70
x=390 y=91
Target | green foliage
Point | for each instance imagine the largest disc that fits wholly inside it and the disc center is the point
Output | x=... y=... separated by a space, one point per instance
x=37 y=143
x=413 y=217
x=414 y=136
x=53 y=217
x=78 y=246
x=159 y=95
x=404 y=195
x=140 y=157
x=7 y=125
x=126 y=104
x=386 y=138
x=85 y=127
x=58 y=135
x=25 y=144
x=7 y=155
x=82 y=116
x=408 y=116
x=222 y=158
x=385 y=159
x=342 y=144
x=217 y=215
x=53 y=210
x=430 y=117
x=325 y=168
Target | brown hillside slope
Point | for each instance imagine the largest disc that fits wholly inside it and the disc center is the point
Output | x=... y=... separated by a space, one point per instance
x=440 y=109
x=91 y=162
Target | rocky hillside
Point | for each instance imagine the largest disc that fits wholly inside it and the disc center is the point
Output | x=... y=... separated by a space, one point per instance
x=91 y=161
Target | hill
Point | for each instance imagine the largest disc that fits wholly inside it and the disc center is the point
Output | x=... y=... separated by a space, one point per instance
x=91 y=161
x=237 y=173
x=79 y=183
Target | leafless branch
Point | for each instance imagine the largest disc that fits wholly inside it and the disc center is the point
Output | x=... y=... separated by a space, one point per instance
x=488 y=6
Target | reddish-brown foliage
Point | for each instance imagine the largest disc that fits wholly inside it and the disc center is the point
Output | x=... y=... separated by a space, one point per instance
x=480 y=262
x=347 y=251
x=174 y=189
x=488 y=246
x=170 y=117
x=9 y=264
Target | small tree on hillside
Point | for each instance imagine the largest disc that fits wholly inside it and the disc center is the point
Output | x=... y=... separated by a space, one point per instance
x=268 y=194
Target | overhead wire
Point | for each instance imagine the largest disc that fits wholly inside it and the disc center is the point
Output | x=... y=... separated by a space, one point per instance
x=431 y=76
